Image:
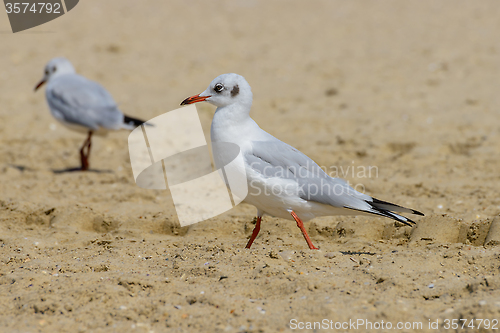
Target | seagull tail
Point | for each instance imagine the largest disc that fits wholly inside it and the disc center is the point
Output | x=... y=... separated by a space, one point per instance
x=387 y=209
x=131 y=123
x=384 y=205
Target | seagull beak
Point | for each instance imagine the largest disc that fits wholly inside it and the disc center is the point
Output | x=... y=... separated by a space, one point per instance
x=194 y=99
x=39 y=84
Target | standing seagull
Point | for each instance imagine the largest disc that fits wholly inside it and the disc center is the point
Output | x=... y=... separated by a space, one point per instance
x=282 y=181
x=81 y=104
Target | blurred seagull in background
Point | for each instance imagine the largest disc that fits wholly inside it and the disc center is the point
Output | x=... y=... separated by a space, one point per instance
x=81 y=104
x=282 y=181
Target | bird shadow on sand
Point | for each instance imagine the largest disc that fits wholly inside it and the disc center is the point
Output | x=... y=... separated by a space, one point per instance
x=21 y=168
x=357 y=252
x=67 y=170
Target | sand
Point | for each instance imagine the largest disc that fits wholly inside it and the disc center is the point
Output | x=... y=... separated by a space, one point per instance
x=409 y=88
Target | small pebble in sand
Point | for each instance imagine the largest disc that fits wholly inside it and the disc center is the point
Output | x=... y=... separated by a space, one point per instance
x=273 y=254
x=482 y=303
x=287 y=255
x=330 y=255
x=431 y=285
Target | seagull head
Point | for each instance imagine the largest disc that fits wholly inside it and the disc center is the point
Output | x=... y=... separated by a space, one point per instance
x=225 y=90
x=55 y=67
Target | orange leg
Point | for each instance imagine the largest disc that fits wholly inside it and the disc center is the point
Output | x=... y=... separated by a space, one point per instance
x=300 y=224
x=254 y=233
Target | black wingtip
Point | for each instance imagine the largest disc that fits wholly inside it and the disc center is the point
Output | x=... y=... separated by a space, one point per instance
x=388 y=205
x=416 y=212
x=389 y=214
x=411 y=221
x=134 y=121
x=397 y=217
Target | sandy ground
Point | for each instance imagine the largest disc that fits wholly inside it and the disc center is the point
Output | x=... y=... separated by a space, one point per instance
x=408 y=87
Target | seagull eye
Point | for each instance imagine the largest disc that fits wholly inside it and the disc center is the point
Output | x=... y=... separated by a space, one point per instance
x=218 y=87
x=46 y=72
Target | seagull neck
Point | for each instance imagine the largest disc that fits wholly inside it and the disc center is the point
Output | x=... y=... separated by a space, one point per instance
x=230 y=122
x=232 y=115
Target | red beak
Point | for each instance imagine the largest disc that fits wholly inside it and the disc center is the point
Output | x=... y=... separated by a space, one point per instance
x=39 y=84
x=194 y=99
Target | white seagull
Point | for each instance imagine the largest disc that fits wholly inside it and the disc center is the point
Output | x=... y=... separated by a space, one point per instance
x=81 y=104
x=282 y=181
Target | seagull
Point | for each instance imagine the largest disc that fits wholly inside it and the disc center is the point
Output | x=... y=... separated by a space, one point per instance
x=81 y=104
x=282 y=181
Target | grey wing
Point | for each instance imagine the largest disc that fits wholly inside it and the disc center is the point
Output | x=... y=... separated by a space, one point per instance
x=277 y=159
x=76 y=100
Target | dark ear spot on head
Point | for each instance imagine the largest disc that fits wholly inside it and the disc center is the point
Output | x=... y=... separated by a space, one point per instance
x=235 y=91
